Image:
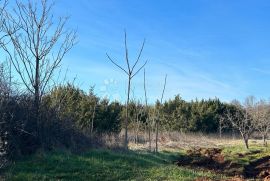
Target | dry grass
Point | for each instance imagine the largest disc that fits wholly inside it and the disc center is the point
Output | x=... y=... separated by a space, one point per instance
x=175 y=140
x=171 y=141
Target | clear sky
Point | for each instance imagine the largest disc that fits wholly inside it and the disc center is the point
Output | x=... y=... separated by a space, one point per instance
x=208 y=48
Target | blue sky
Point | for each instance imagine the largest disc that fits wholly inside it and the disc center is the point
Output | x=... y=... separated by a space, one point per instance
x=208 y=48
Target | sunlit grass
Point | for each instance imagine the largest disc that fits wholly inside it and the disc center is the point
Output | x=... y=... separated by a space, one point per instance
x=102 y=165
x=239 y=154
x=119 y=165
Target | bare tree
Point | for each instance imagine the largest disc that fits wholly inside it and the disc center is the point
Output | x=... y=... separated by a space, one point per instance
x=158 y=113
x=222 y=124
x=241 y=119
x=262 y=119
x=38 y=45
x=131 y=72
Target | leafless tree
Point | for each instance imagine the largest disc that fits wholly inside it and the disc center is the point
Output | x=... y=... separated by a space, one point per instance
x=94 y=102
x=131 y=72
x=148 y=120
x=241 y=119
x=38 y=45
x=262 y=119
x=158 y=113
x=222 y=124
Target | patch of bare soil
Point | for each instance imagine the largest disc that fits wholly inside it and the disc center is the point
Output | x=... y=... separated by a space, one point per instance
x=213 y=159
x=258 y=169
x=210 y=159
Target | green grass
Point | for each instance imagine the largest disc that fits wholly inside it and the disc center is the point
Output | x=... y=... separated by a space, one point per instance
x=116 y=165
x=102 y=165
x=239 y=154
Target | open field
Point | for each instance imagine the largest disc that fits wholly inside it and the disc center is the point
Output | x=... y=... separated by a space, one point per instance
x=172 y=163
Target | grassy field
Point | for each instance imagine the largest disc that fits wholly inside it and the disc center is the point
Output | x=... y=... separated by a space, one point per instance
x=136 y=164
x=102 y=165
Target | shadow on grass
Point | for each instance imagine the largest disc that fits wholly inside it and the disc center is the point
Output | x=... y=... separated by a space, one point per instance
x=92 y=165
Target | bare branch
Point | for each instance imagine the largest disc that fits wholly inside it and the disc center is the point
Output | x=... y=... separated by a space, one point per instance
x=139 y=56
x=126 y=49
x=164 y=87
x=144 y=86
x=117 y=64
x=139 y=69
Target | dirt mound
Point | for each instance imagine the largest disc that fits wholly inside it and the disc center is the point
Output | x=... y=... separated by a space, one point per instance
x=210 y=159
x=258 y=169
x=213 y=159
x=206 y=156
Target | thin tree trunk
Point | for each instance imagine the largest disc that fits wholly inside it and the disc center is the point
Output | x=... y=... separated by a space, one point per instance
x=137 y=128
x=92 y=121
x=233 y=134
x=147 y=112
x=157 y=126
x=264 y=140
x=127 y=116
x=158 y=117
x=246 y=141
x=220 y=132
x=37 y=99
x=10 y=79
x=149 y=135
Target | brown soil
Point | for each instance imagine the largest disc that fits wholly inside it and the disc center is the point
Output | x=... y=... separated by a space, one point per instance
x=213 y=159
x=258 y=169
